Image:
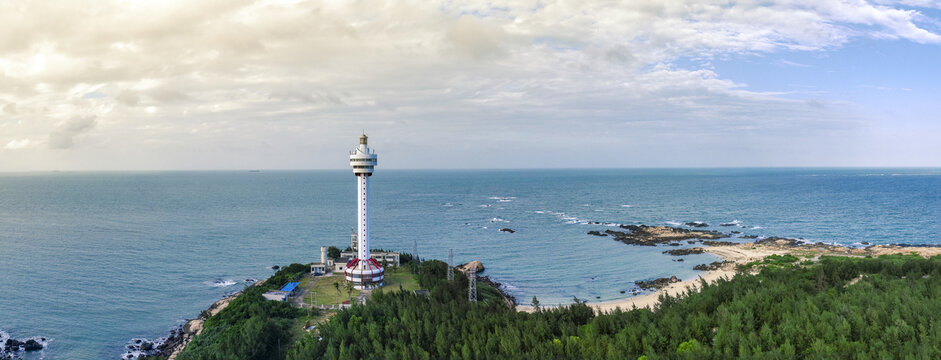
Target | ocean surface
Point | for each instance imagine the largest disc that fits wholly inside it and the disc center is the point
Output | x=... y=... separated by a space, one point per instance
x=91 y=261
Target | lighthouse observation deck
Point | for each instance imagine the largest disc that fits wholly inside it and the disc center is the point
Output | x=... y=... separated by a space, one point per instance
x=362 y=159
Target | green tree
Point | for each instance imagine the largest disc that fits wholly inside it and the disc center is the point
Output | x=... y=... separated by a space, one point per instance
x=333 y=252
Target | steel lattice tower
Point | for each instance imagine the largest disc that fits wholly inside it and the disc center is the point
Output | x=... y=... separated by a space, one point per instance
x=450 y=265
x=472 y=284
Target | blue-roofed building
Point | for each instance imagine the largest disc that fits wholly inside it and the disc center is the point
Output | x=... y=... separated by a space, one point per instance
x=290 y=287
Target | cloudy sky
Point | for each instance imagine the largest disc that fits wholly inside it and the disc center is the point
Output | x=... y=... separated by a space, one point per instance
x=242 y=84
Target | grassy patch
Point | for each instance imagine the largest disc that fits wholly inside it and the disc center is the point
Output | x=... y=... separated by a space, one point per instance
x=773 y=260
x=325 y=293
x=487 y=293
x=399 y=277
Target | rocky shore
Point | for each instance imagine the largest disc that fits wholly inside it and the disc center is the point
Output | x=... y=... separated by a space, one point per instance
x=733 y=254
x=174 y=344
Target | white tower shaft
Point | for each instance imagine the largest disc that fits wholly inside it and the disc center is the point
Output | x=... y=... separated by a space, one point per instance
x=363 y=271
x=362 y=216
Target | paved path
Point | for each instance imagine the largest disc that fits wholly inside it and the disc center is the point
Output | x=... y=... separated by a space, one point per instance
x=298 y=300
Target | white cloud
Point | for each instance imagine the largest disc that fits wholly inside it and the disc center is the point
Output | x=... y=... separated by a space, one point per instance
x=210 y=75
x=17 y=144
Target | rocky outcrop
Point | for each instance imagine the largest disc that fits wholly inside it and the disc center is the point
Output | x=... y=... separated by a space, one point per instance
x=476 y=265
x=596 y=233
x=32 y=345
x=717 y=243
x=657 y=283
x=778 y=241
x=652 y=235
x=715 y=265
x=9 y=347
x=697 y=224
x=508 y=230
x=680 y=252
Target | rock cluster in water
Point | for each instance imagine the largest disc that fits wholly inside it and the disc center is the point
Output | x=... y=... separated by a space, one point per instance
x=10 y=347
x=653 y=235
x=679 y=252
x=657 y=283
x=508 y=230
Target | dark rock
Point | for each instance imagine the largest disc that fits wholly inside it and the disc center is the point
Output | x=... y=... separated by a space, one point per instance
x=657 y=283
x=779 y=241
x=137 y=341
x=690 y=241
x=32 y=345
x=717 y=243
x=651 y=235
x=622 y=291
x=749 y=236
x=275 y=267
x=674 y=244
x=728 y=224
x=736 y=232
x=698 y=224
x=596 y=233
x=507 y=230
x=680 y=252
x=865 y=243
x=715 y=265
x=147 y=346
x=678 y=260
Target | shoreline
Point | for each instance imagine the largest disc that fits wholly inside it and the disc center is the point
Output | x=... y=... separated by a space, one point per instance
x=743 y=253
x=174 y=345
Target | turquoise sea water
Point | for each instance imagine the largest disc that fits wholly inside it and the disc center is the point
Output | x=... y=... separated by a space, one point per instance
x=93 y=260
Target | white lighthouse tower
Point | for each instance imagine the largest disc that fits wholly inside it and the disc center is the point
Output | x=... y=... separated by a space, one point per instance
x=363 y=271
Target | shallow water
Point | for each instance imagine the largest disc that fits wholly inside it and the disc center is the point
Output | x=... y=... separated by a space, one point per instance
x=93 y=260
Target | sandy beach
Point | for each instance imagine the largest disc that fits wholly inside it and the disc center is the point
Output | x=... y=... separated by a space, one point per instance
x=745 y=253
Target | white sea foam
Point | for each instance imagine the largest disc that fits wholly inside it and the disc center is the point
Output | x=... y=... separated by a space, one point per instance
x=223 y=282
x=674 y=223
x=755 y=227
x=540 y=212
x=485 y=205
x=496 y=219
x=447 y=204
x=627 y=206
